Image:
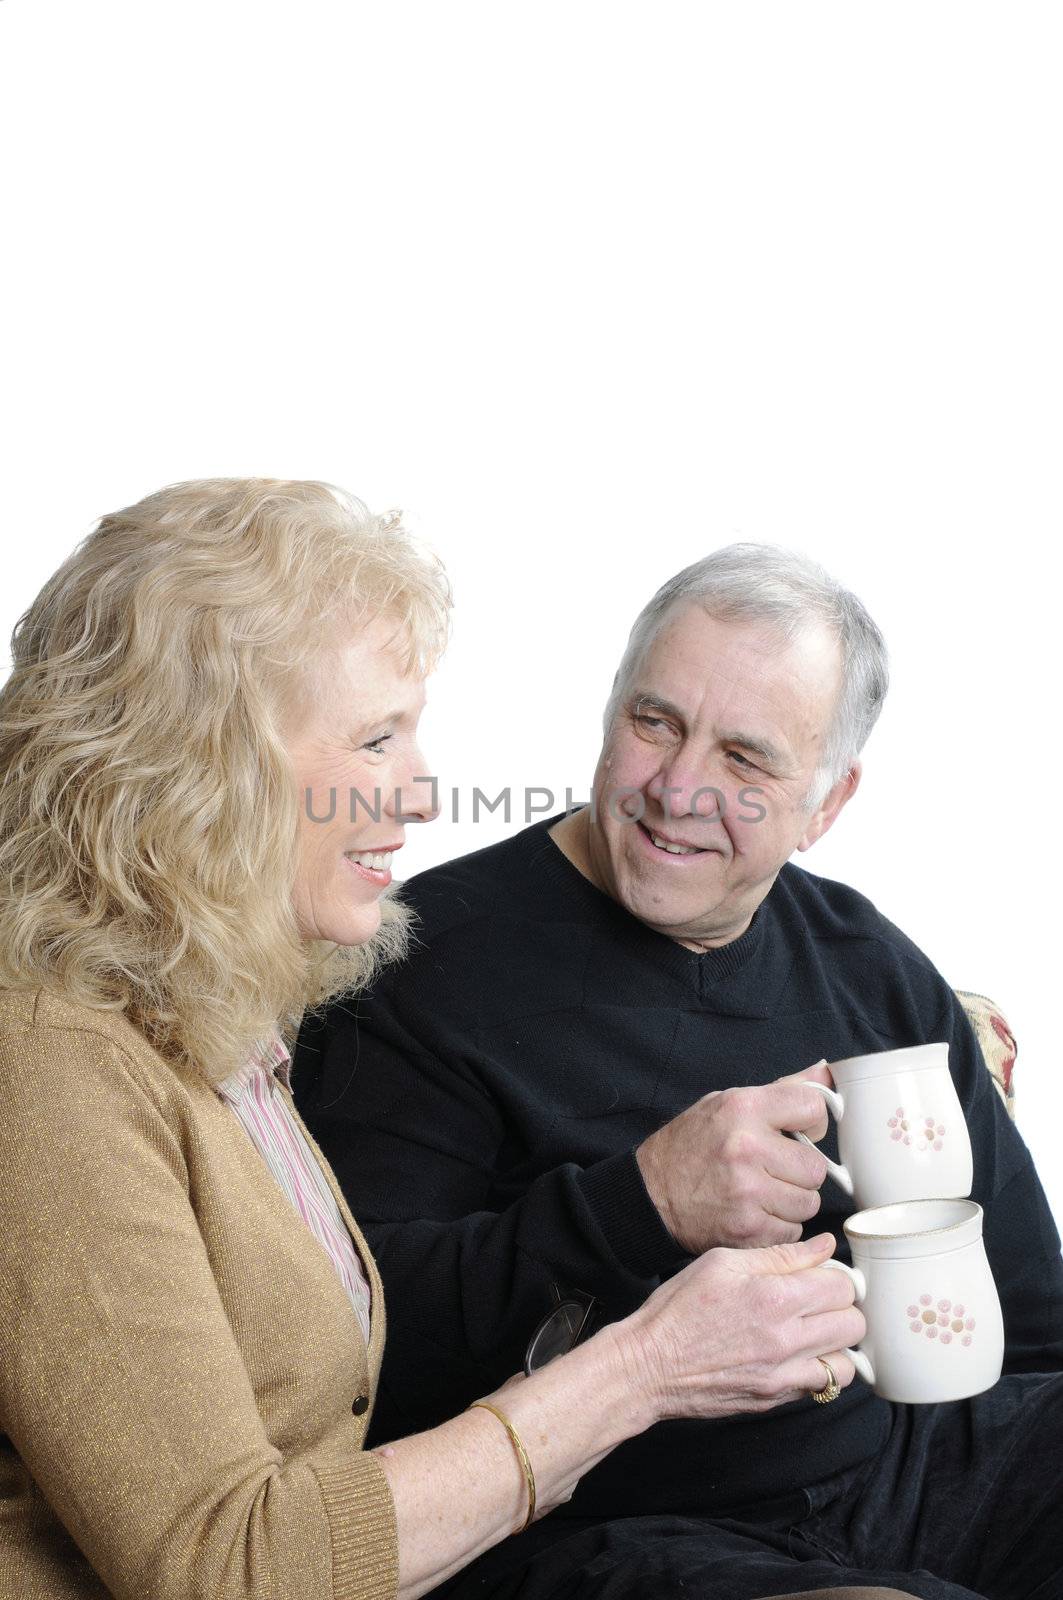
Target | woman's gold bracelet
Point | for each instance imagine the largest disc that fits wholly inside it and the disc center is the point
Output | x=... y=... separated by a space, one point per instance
x=522 y=1455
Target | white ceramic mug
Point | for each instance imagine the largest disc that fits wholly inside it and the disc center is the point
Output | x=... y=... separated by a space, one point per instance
x=901 y=1132
x=934 y=1328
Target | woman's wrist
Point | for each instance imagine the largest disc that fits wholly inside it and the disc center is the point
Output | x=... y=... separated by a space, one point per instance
x=639 y=1368
x=522 y=1456
x=567 y=1415
x=608 y=1383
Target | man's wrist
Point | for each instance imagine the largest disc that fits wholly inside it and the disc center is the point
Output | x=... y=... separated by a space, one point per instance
x=654 y=1179
x=631 y=1225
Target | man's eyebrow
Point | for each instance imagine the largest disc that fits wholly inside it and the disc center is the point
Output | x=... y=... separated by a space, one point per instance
x=654 y=702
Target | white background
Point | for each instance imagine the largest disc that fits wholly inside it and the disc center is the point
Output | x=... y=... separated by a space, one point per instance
x=590 y=289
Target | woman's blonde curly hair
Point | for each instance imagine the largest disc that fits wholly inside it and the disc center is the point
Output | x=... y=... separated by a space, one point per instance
x=148 y=808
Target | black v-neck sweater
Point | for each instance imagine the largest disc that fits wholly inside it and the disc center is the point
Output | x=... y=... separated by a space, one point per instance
x=482 y=1107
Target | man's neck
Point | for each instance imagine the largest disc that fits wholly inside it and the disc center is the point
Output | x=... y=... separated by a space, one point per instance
x=571 y=834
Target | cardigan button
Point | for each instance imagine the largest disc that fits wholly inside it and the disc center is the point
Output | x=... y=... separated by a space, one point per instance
x=361 y=1405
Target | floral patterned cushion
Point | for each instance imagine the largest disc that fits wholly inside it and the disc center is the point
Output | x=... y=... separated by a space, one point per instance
x=997 y=1042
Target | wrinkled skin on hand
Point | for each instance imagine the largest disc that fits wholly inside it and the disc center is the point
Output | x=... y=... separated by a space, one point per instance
x=724 y=1172
x=741 y=1330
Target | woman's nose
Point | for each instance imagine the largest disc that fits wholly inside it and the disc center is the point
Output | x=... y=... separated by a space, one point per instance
x=416 y=797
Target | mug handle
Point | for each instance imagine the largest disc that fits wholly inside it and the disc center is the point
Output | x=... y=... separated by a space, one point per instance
x=859 y=1282
x=835 y=1169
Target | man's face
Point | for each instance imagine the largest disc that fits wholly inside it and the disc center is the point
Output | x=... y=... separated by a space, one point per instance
x=712 y=706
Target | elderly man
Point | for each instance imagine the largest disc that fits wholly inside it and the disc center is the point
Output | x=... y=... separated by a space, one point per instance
x=588 y=1073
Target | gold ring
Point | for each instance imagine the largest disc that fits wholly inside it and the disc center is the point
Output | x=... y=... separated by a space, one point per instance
x=823 y=1397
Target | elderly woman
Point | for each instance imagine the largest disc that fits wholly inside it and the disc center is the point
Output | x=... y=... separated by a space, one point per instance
x=208 y=758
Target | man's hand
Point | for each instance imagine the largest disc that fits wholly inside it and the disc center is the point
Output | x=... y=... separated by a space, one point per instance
x=724 y=1173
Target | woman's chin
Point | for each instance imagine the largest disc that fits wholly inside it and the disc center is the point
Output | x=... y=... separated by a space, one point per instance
x=361 y=929
x=349 y=926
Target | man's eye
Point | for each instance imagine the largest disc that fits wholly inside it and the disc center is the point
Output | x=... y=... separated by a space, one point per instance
x=376 y=746
x=736 y=755
x=653 y=727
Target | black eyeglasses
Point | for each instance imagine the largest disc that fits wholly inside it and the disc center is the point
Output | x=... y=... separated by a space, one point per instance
x=561 y=1329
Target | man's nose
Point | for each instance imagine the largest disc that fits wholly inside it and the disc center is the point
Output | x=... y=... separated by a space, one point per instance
x=682 y=788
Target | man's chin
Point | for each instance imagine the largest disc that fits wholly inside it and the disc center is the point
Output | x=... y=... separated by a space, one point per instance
x=667 y=913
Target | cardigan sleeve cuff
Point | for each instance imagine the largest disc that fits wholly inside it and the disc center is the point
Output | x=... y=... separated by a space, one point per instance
x=361 y=1518
x=629 y=1221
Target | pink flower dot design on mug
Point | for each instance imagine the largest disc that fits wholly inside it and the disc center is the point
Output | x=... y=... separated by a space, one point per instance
x=921 y=1133
x=943 y=1320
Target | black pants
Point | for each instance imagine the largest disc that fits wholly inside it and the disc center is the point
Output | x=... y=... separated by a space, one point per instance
x=964 y=1503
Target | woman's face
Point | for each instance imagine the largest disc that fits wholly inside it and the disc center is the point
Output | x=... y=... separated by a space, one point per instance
x=357 y=767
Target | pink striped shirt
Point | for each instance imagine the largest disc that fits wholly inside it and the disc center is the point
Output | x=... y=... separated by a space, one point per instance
x=252 y=1093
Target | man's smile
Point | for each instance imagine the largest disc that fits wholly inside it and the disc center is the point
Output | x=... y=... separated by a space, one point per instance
x=666 y=844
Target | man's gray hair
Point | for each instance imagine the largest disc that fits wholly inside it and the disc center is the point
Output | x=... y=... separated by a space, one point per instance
x=787 y=593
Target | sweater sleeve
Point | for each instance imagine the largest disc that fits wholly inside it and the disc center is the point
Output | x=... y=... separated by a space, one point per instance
x=1021 y=1239
x=122 y=1387
x=469 y=1248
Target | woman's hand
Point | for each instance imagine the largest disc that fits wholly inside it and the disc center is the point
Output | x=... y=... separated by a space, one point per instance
x=740 y=1330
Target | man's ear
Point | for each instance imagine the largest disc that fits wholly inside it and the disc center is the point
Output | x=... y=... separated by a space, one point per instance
x=824 y=815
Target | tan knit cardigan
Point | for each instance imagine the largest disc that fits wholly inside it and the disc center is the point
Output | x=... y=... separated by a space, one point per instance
x=184 y=1389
